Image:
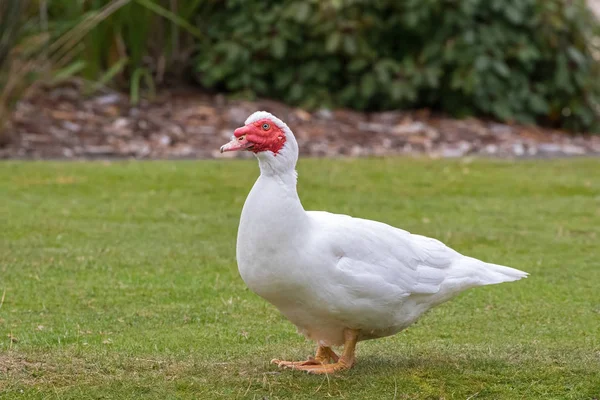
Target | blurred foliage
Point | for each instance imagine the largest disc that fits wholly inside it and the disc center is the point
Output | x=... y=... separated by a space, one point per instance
x=124 y=42
x=10 y=13
x=135 y=35
x=523 y=60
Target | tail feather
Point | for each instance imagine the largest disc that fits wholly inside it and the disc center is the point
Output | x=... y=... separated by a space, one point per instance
x=489 y=274
x=467 y=272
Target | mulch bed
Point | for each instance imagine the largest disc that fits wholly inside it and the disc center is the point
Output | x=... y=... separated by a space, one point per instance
x=61 y=123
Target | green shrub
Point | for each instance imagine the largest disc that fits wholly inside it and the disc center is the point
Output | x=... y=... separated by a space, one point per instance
x=523 y=60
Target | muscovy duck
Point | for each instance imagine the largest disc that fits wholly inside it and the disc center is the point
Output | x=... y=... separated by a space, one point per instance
x=339 y=279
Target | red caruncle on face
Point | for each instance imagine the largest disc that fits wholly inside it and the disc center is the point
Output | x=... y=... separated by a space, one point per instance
x=262 y=135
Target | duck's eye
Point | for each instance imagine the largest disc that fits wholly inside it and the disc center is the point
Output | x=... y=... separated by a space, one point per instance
x=266 y=127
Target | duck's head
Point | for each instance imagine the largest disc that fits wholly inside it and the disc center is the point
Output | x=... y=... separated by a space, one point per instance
x=269 y=138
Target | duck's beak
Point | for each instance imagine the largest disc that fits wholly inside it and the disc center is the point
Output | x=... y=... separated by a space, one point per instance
x=239 y=141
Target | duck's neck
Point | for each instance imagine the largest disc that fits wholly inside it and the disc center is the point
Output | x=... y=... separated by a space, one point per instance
x=282 y=164
x=273 y=208
x=279 y=191
x=280 y=169
x=287 y=178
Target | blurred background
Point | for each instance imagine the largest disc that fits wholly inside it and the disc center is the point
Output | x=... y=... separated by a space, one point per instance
x=118 y=279
x=172 y=78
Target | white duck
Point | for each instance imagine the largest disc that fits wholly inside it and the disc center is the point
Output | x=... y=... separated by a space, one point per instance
x=338 y=279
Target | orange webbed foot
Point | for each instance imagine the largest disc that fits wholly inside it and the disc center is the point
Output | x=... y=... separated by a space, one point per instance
x=325 y=369
x=320 y=364
x=324 y=355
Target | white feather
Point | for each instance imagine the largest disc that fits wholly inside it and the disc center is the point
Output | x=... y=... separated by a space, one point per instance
x=327 y=272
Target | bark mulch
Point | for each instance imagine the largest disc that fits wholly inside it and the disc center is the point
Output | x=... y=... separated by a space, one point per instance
x=61 y=123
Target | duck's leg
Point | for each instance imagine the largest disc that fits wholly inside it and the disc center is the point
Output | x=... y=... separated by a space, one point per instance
x=346 y=361
x=324 y=355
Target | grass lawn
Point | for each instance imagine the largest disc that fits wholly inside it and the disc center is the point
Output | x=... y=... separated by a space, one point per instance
x=118 y=280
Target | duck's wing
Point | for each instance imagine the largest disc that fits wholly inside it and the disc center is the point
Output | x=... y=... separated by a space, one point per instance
x=380 y=261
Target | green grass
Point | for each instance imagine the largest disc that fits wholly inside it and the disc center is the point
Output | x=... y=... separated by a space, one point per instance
x=118 y=280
